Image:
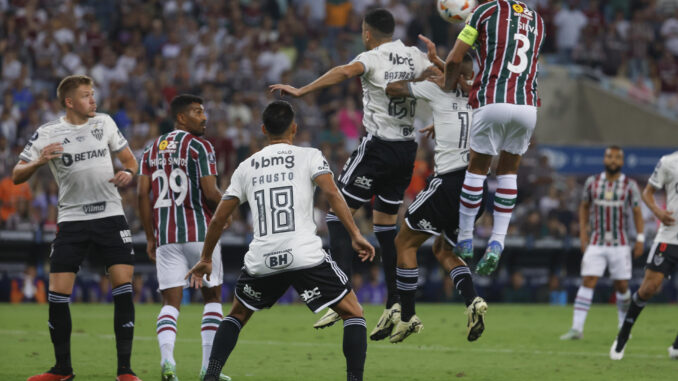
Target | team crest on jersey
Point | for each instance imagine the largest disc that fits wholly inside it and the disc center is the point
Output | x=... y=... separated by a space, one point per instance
x=167 y=146
x=658 y=259
x=98 y=133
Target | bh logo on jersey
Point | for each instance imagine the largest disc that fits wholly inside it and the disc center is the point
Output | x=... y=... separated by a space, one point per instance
x=249 y=291
x=363 y=182
x=279 y=259
x=310 y=295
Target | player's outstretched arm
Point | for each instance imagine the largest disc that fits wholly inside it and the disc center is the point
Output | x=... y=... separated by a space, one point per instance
x=665 y=216
x=23 y=170
x=453 y=64
x=129 y=163
x=584 y=225
x=333 y=76
x=145 y=213
x=204 y=266
x=398 y=89
x=432 y=52
x=338 y=204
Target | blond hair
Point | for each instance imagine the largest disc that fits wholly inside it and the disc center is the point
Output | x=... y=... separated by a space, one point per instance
x=70 y=83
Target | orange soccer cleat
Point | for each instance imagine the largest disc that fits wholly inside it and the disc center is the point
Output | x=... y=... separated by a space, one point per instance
x=127 y=377
x=50 y=375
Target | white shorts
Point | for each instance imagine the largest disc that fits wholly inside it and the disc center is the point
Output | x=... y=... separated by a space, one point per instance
x=174 y=260
x=616 y=258
x=502 y=127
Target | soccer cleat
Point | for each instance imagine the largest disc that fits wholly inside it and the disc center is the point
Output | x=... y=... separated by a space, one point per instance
x=476 y=318
x=169 y=372
x=488 y=263
x=388 y=319
x=52 y=375
x=464 y=249
x=673 y=352
x=572 y=334
x=222 y=377
x=127 y=377
x=403 y=329
x=614 y=355
x=327 y=320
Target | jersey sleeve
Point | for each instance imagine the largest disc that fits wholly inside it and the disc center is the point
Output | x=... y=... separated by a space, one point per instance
x=422 y=90
x=659 y=177
x=318 y=165
x=144 y=164
x=207 y=160
x=586 y=194
x=32 y=149
x=634 y=194
x=237 y=188
x=470 y=32
x=367 y=59
x=116 y=140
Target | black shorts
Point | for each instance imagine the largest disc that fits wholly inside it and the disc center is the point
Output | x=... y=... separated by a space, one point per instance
x=321 y=286
x=378 y=167
x=109 y=240
x=435 y=210
x=663 y=258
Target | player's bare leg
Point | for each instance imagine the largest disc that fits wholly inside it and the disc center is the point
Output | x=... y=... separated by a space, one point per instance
x=470 y=201
x=121 y=282
x=652 y=282
x=407 y=243
x=211 y=318
x=342 y=253
x=476 y=307
x=226 y=338
x=386 y=237
x=582 y=304
x=60 y=289
x=623 y=298
x=355 y=332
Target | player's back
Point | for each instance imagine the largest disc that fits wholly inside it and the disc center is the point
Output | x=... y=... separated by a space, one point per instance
x=278 y=184
x=389 y=118
x=665 y=176
x=510 y=36
x=175 y=163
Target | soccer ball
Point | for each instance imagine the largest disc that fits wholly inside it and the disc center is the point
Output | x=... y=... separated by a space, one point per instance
x=455 y=11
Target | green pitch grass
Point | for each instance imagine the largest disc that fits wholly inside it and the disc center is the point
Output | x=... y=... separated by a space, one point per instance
x=520 y=343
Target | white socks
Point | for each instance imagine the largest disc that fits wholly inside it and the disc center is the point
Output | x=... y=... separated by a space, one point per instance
x=212 y=316
x=504 y=201
x=166 y=329
x=582 y=303
x=469 y=204
x=623 y=303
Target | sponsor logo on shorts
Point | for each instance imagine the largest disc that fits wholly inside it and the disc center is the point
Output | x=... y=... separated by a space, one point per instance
x=97 y=207
x=363 y=182
x=310 y=295
x=658 y=259
x=249 y=291
x=126 y=236
x=425 y=224
x=279 y=259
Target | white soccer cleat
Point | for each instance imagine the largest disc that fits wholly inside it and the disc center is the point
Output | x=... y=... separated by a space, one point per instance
x=389 y=318
x=614 y=355
x=572 y=334
x=673 y=352
x=476 y=318
x=403 y=329
x=327 y=320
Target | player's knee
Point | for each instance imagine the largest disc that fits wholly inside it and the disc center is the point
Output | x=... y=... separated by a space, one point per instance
x=648 y=289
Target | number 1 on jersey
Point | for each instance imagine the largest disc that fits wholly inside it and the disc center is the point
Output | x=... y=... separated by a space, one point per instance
x=281 y=200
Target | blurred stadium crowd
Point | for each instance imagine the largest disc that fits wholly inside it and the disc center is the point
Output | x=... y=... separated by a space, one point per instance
x=143 y=53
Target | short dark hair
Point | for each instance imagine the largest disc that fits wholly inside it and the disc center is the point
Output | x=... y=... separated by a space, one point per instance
x=278 y=117
x=181 y=102
x=381 y=20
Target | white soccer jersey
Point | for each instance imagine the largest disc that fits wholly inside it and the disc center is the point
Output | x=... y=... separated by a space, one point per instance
x=389 y=118
x=278 y=183
x=451 y=120
x=85 y=167
x=665 y=176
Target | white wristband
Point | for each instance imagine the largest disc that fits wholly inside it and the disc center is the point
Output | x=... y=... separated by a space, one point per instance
x=640 y=237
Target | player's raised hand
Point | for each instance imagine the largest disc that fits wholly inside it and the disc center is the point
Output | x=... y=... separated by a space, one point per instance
x=363 y=248
x=429 y=131
x=196 y=273
x=666 y=217
x=285 y=90
x=121 y=178
x=51 y=151
x=432 y=53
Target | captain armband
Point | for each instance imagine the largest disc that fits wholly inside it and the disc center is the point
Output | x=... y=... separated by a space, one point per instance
x=468 y=35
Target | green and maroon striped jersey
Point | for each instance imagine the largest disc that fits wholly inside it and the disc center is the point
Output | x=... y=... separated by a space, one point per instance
x=610 y=204
x=175 y=162
x=509 y=38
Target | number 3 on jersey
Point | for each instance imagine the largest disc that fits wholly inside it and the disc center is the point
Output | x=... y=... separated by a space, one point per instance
x=521 y=53
x=281 y=200
x=165 y=184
